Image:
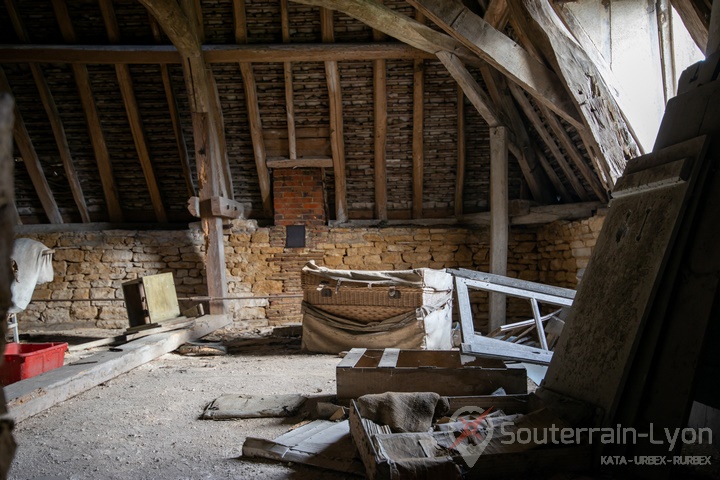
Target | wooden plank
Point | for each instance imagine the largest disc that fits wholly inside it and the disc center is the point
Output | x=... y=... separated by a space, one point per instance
x=389 y=358
x=396 y=25
x=31 y=160
x=695 y=22
x=502 y=53
x=460 y=169
x=174 y=116
x=97 y=138
x=304 y=162
x=499 y=221
x=337 y=141
x=168 y=54
x=33 y=395
x=256 y=135
x=475 y=94
x=605 y=123
x=380 y=133
x=53 y=114
x=418 y=153
x=537 y=123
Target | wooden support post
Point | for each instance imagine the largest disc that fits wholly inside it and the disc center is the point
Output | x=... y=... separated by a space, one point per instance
x=460 y=170
x=287 y=72
x=418 y=154
x=95 y=133
x=337 y=142
x=499 y=220
x=666 y=42
x=380 y=127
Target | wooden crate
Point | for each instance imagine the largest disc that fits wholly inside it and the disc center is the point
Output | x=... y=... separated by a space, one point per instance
x=370 y=437
x=446 y=372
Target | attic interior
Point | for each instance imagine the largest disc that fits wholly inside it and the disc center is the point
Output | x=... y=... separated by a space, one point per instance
x=526 y=185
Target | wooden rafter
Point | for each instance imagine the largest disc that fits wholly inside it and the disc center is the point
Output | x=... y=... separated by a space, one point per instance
x=169 y=54
x=502 y=53
x=497 y=14
x=133 y=114
x=418 y=149
x=554 y=179
x=380 y=132
x=460 y=169
x=95 y=133
x=337 y=142
x=287 y=73
x=174 y=116
x=696 y=20
x=253 y=109
x=536 y=122
x=611 y=139
x=499 y=221
x=31 y=160
x=53 y=114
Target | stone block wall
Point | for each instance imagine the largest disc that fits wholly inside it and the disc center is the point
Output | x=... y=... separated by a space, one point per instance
x=264 y=275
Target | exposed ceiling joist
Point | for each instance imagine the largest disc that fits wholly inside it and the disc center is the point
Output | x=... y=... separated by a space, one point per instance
x=501 y=52
x=53 y=114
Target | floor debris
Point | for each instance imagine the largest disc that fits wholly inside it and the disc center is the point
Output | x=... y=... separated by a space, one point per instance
x=231 y=406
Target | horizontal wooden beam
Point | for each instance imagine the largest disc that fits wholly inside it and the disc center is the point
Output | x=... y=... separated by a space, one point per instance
x=217 y=207
x=541 y=214
x=302 y=162
x=168 y=54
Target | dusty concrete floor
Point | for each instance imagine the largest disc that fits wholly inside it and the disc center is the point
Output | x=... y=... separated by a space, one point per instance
x=144 y=424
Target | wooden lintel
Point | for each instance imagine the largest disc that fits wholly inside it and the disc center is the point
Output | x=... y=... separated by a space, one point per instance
x=380 y=131
x=460 y=169
x=502 y=53
x=537 y=123
x=168 y=54
x=418 y=146
x=302 y=162
x=220 y=207
x=95 y=133
x=31 y=161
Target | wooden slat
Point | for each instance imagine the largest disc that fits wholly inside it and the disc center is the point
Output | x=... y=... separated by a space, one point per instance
x=418 y=153
x=502 y=53
x=460 y=169
x=605 y=123
x=380 y=132
x=499 y=221
x=535 y=120
x=337 y=142
x=352 y=358
x=33 y=395
x=31 y=160
x=389 y=358
x=53 y=114
x=133 y=114
x=168 y=54
x=95 y=133
x=174 y=116
x=240 y=19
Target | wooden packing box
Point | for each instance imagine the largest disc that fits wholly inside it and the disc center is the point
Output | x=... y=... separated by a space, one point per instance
x=375 y=446
x=446 y=372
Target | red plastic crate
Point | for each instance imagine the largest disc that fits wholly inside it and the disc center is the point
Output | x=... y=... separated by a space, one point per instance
x=25 y=360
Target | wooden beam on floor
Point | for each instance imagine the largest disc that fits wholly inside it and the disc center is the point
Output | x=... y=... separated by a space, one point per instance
x=502 y=53
x=537 y=123
x=499 y=221
x=95 y=133
x=31 y=160
x=174 y=115
x=168 y=54
x=611 y=139
x=461 y=151
x=33 y=395
x=53 y=114
x=337 y=141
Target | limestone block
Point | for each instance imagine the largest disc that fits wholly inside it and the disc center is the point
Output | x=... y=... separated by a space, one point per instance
x=81 y=293
x=110 y=256
x=83 y=311
x=268 y=286
x=261 y=236
x=332 y=260
x=373 y=260
x=114 y=312
x=102 y=293
x=582 y=252
x=416 y=258
x=55 y=314
x=69 y=255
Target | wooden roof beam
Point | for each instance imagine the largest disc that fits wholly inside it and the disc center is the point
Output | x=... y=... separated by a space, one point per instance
x=696 y=20
x=168 y=54
x=174 y=115
x=611 y=139
x=337 y=141
x=133 y=114
x=501 y=52
x=253 y=110
x=31 y=160
x=287 y=74
x=53 y=114
x=95 y=133
x=536 y=122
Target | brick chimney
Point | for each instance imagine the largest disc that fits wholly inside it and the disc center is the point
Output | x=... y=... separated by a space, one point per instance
x=298 y=196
